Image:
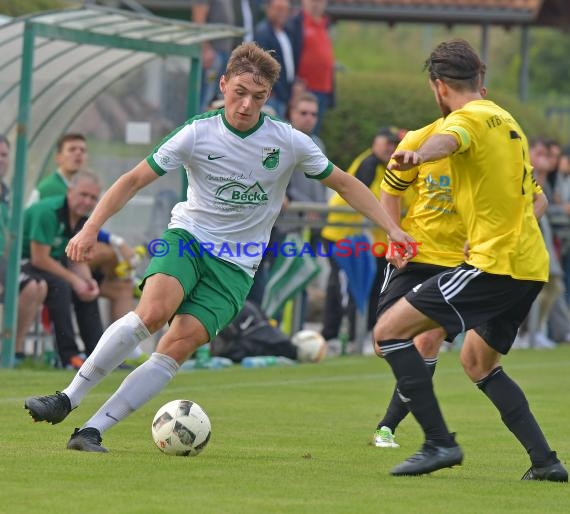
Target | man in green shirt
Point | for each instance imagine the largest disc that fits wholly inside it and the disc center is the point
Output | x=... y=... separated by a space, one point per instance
x=32 y=291
x=48 y=226
x=71 y=157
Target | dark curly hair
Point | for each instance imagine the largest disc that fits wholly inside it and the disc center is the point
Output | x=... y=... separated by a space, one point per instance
x=457 y=64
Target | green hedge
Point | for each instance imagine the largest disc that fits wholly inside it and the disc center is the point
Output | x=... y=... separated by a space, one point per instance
x=366 y=101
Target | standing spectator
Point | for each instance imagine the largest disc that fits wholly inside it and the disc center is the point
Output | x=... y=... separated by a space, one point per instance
x=554 y=152
x=48 y=226
x=369 y=167
x=270 y=34
x=553 y=290
x=304 y=113
x=562 y=199
x=314 y=53
x=562 y=187
x=215 y=54
x=33 y=290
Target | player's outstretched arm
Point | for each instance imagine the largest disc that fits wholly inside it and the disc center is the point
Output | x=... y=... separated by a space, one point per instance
x=392 y=204
x=435 y=148
x=80 y=246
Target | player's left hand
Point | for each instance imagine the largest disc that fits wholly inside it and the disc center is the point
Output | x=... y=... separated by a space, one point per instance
x=402 y=248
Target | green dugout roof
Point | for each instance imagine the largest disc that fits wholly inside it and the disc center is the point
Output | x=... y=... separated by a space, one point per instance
x=78 y=53
x=52 y=65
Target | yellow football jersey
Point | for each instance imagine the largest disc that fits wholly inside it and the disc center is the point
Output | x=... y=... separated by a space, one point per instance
x=494 y=189
x=432 y=218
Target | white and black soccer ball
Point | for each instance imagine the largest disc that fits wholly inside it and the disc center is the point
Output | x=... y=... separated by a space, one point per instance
x=181 y=427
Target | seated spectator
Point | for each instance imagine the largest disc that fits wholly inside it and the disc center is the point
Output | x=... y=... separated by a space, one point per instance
x=48 y=226
x=32 y=290
x=71 y=156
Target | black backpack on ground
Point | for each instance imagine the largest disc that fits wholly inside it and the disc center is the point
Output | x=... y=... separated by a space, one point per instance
x=251 y=334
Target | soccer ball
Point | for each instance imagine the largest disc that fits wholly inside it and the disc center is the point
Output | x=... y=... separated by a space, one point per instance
x=311 y=346
x=181 y=427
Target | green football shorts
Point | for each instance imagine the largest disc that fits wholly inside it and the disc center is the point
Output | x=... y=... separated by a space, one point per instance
x=214 y=290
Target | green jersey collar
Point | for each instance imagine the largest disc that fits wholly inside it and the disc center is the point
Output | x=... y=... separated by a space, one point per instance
x=239 y=133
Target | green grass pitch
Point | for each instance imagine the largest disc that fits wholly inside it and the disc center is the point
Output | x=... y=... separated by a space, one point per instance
x=284 y=440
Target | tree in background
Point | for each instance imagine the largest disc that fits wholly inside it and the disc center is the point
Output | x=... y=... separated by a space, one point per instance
x=11 y=8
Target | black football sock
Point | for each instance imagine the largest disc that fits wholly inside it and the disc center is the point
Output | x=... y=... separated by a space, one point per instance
x=512 y=404
x=397 y=409
x=415 y=386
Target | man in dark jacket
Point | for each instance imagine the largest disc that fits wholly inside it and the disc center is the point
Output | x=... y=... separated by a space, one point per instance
x=270 y=34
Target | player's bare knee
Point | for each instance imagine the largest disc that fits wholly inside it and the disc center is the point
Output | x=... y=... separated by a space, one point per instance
x=472 y=367
x=428 y=343
x=178 y=347
x=154 y=319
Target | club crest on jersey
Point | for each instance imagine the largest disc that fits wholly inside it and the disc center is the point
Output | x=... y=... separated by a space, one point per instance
x=270 y=157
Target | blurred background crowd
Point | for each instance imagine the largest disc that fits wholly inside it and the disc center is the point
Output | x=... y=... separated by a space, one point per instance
x=62 y=314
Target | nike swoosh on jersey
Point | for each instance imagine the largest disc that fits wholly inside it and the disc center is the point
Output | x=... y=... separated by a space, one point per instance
x=214 y=157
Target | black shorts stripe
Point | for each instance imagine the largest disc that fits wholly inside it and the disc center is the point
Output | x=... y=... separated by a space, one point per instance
x=458 y=282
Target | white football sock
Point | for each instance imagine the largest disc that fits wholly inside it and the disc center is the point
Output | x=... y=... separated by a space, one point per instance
x=136 y=353
x=141 y=385
x=116 y=343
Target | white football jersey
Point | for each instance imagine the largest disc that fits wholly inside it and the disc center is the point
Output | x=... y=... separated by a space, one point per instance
x=236 y=180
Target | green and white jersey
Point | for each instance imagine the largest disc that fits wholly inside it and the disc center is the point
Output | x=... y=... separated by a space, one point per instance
x=236 y=180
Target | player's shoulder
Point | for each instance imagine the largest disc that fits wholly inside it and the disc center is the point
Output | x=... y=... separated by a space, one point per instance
x=275 y=123
x=48 y=180
x=283 y=132
x=47 y=205
x=204 y=117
